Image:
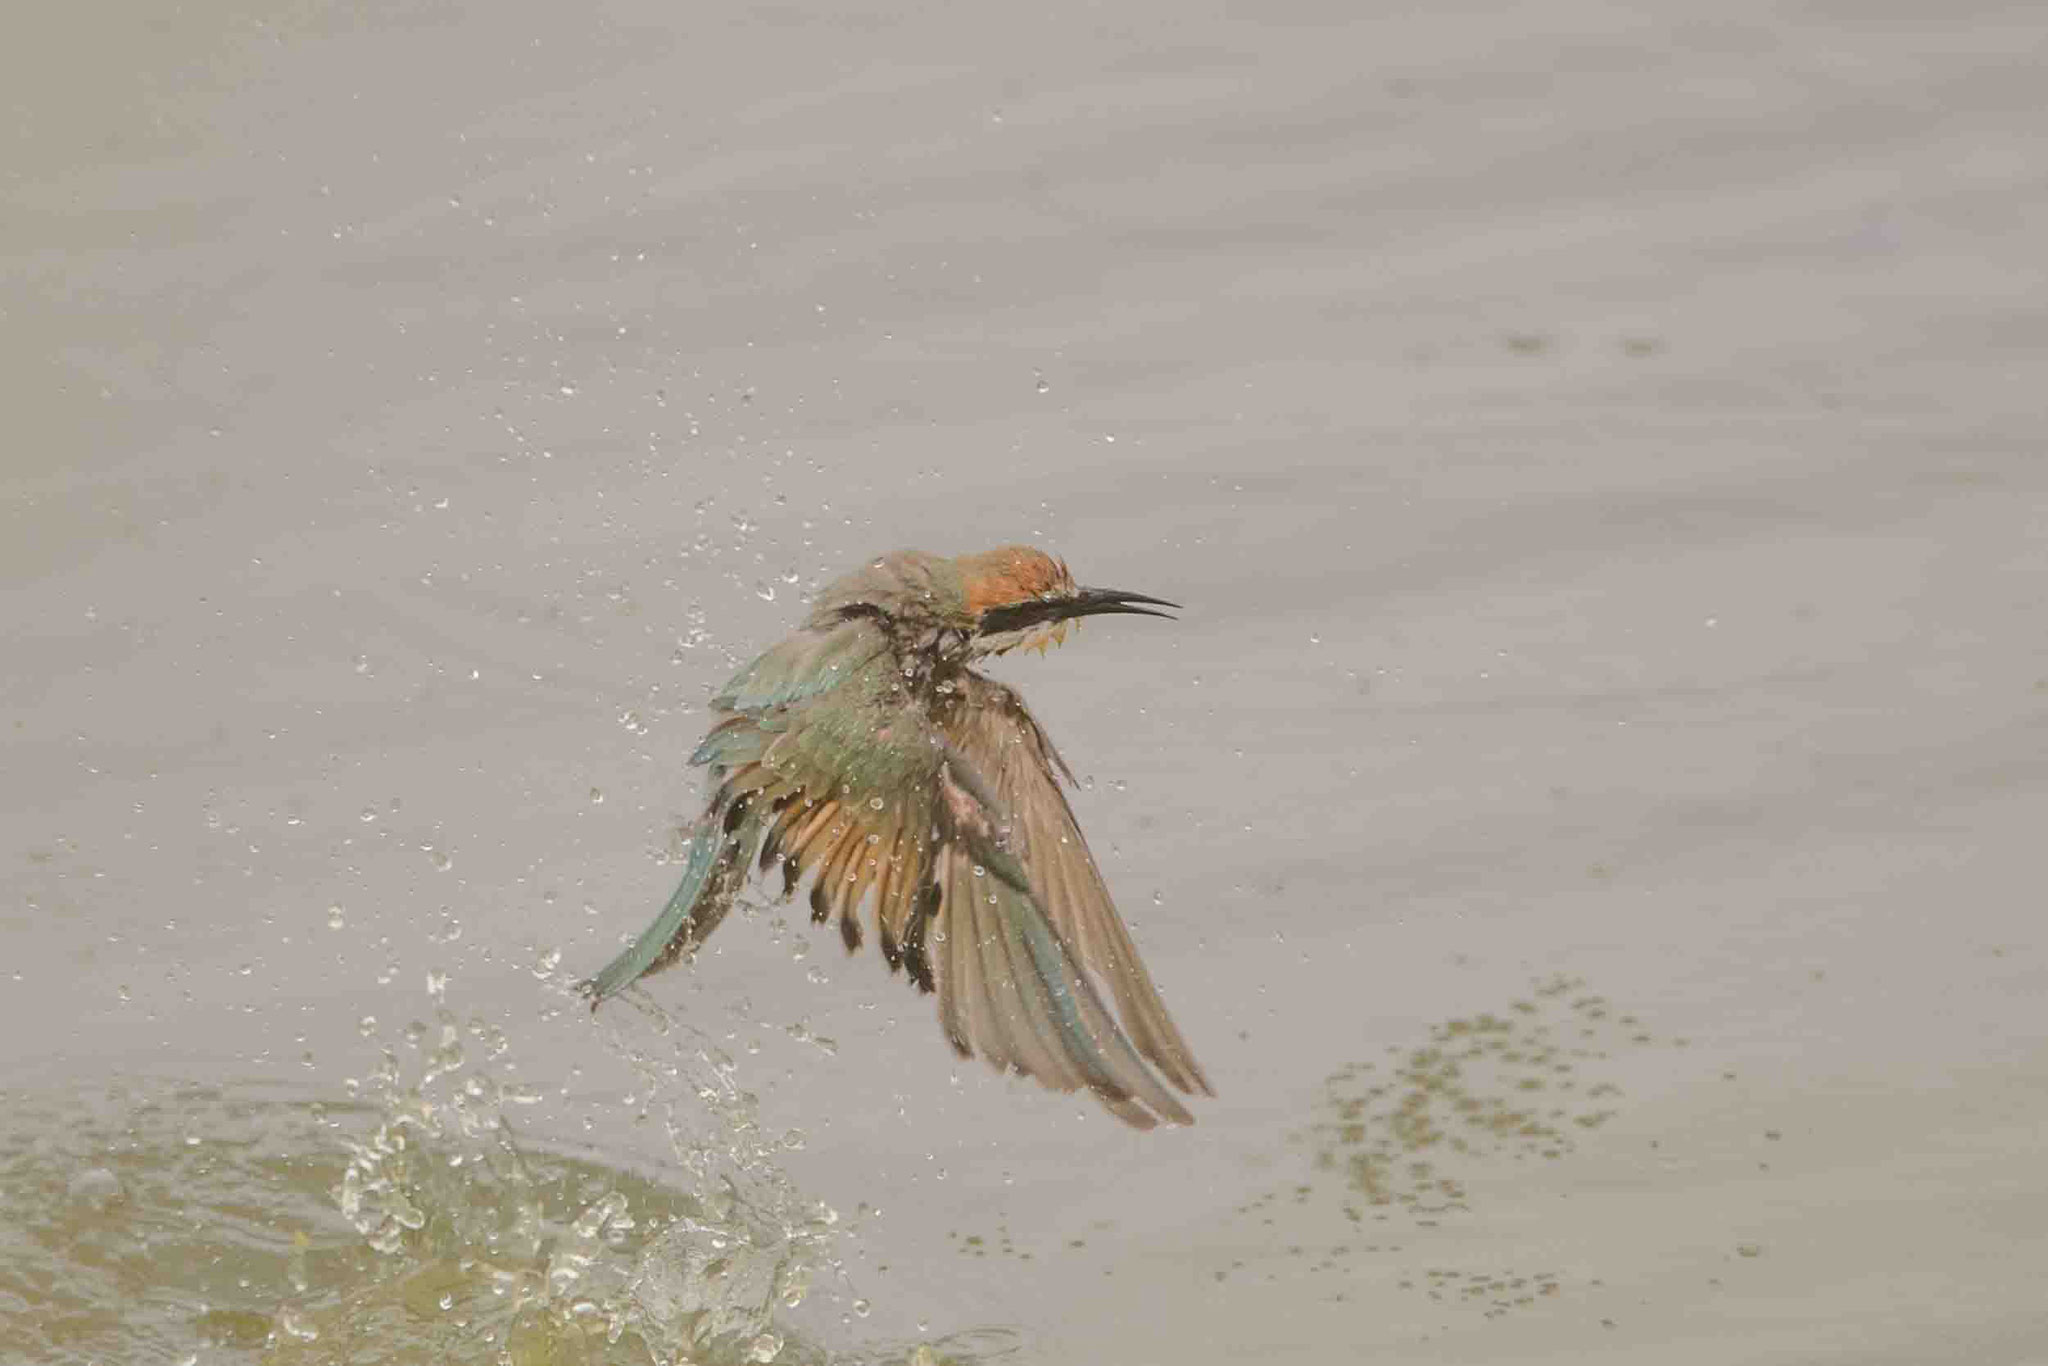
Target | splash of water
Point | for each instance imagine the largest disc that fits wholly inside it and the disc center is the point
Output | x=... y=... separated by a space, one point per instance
x=500 y=1245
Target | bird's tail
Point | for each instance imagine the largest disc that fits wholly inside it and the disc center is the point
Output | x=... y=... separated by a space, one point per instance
x=713 y=873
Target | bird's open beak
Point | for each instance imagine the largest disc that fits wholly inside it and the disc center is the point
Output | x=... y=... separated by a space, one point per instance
x=1086 y=602
x=1095 y=602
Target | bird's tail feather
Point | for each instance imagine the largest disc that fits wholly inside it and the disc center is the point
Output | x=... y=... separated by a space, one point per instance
x=712 y=875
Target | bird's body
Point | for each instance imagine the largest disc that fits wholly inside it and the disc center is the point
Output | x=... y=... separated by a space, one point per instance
x=864 y=754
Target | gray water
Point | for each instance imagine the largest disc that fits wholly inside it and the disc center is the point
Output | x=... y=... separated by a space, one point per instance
x=1587 y=820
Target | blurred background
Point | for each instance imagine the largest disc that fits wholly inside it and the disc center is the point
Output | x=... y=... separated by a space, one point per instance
x=1587 y=819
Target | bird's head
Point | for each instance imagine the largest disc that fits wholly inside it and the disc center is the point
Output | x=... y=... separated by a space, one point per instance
x=974 y=605
x=1016 y=595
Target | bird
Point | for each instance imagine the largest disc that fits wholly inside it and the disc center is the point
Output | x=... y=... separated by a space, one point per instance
x=866 y=754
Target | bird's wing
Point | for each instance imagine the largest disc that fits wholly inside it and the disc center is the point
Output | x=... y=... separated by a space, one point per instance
x=814 y=660
x=861 y=794
x=760 y=703
x=1009 y=985
x=994 y=732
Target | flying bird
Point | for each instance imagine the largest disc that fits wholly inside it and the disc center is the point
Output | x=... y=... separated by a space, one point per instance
x=866 y=755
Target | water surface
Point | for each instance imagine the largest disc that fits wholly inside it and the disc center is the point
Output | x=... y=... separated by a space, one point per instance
x=1587 y=820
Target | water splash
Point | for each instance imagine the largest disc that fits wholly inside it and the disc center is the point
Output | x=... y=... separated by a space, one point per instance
x=415 y=1223
x=499 y=1246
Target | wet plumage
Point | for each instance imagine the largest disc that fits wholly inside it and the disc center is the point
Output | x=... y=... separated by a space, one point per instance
x=919 y=798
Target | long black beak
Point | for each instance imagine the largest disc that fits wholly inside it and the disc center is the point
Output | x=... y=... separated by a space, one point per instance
x=1095 y=602
x=1086 y=602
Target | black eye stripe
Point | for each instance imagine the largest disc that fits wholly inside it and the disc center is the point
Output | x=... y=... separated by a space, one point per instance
x=1017 y=616
x=860 y=609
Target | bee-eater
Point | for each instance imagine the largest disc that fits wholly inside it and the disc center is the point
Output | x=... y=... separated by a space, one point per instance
x=866 y=754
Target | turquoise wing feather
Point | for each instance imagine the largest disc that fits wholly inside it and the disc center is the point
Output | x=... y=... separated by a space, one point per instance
x=712 y=874
x=763 y=701
x=813 y=661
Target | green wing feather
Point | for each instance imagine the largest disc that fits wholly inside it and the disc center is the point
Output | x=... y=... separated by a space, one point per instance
x=813 y=661
x=699 y=902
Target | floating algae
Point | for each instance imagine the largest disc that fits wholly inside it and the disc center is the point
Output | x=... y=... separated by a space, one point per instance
x=1482 y=1088
x=1402 y=1143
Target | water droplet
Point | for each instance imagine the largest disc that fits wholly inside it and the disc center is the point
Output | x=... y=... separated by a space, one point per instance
x=765 y=592
x=367 y=1026
x=336 y=917
x=861 y=1307
x=597 y=796
x=294 y=1324
x=874 y=803
x=369 y=814
x=1042 y=386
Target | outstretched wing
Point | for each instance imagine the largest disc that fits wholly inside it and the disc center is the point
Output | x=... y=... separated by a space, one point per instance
x=1010 y=988
x=848 y=785
x=799 y=686
x=862 y=796
x=994 y=732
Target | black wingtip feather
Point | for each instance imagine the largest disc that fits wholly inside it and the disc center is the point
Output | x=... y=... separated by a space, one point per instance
x=915 y=961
